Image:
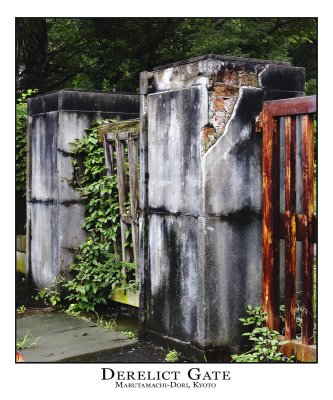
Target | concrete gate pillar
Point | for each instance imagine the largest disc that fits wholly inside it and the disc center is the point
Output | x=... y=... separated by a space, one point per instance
x=55 y=211
x=200 y=229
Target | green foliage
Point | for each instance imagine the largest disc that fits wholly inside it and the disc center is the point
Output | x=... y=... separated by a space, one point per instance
x=107 y=324
x=21 y=139
x=129 y=334
x=21 y=310
x=172 y=356
x=109 y=53
x=97 y=189
x=265 y=341
x=97 y=272
x=50 y=295
x=26 y=342
x=311 y=87
x=298 y=315
x=299 y=311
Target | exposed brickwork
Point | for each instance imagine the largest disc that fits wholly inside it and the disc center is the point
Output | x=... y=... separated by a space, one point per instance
x=229 y=105
x=209 y=137
x=226 y=90
x=219 y=104
x=226 y=85
x=228 y=77
x=208 y=131
x=247 y=79
x=222 y=100
x=221 y=117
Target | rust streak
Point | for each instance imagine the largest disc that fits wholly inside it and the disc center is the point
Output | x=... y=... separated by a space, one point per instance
x=308 y=205
x=290 y=227
x=294 y=106
x=271 y=220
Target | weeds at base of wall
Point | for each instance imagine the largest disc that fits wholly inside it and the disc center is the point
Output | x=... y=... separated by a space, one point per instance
x=129 y=334
x=265 y=342
x=172 y=356
x=21 y=310
x=105 y=323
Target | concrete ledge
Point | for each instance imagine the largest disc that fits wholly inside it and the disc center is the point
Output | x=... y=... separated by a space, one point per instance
x=189 y=350
x=21 y=262
x=129 y=297
x=21 y=243
x=236 y=61
x=301 y=352
x=79 y=100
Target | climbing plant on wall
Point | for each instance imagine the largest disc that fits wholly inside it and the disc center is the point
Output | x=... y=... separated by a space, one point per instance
x=97 y=271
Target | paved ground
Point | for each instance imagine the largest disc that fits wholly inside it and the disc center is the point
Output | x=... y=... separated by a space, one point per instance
x=63 y=338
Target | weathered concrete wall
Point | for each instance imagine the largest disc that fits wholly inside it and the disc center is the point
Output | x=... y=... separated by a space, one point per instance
x=201 y=201
x=55 y=210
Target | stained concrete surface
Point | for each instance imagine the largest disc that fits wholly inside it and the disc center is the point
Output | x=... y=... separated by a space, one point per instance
x=201 y=197
x=54 y=208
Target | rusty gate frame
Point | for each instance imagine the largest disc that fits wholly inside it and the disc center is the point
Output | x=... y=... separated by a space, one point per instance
x=289 y=226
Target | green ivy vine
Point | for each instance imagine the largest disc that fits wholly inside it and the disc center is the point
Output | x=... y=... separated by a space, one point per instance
x=97 y=271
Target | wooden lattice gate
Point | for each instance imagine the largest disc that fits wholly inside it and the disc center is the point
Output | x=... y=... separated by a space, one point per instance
x=121 y=150
x=290 y=122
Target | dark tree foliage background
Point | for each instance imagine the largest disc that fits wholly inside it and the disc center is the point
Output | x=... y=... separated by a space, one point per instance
x=109 y=53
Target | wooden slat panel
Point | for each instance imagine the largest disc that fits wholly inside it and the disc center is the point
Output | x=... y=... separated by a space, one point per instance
x=133 y=176
x=111 y=136
x=122 y=190
x=125 y=250
x=110 y=170
x=294 y=106
x=308 y=208
x=290 y=227
x=271 y=220
x=135 y=241
x=121 y=175
x=108 y=155
x=133 y=155
x=132 y=125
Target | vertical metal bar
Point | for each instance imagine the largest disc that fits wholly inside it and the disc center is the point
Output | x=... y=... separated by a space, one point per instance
x=308 y=208
x=271 y=219
x=290 y=227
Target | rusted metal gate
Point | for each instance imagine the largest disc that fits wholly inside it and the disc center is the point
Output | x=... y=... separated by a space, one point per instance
x=282 y=117
x=121 y=149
